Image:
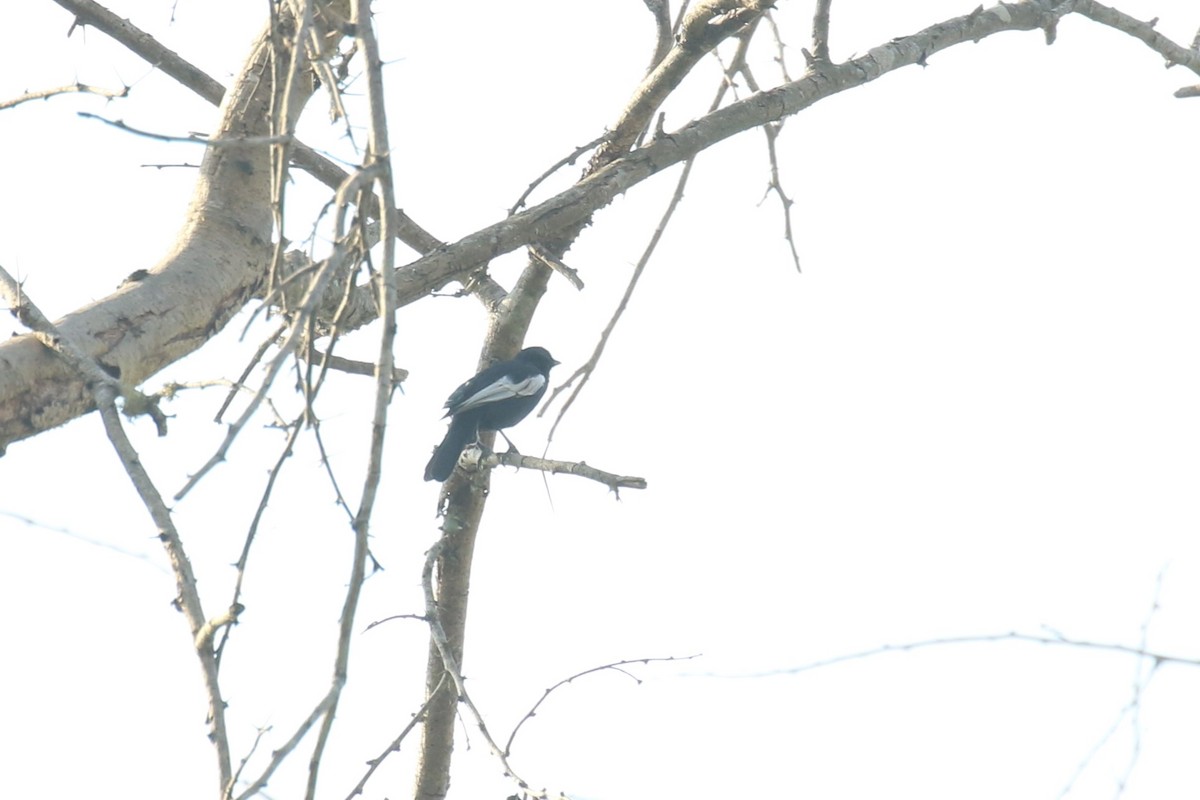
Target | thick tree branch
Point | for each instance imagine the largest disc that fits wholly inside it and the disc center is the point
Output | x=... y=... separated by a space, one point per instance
x=160 y=315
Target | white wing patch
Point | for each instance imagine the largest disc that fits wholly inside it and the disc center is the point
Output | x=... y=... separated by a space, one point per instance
x=502 y=389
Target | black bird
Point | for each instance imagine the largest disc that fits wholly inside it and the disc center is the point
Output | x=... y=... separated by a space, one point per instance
x=498 y=397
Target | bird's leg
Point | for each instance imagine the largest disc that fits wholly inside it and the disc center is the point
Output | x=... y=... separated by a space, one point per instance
x=485 y=451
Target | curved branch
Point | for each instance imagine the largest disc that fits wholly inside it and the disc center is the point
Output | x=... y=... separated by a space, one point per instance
x=157 y=316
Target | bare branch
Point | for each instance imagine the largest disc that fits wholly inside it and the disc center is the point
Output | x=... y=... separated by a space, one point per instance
x=579 y=468
x=106 y=389
x=771 y=129
x=74 y=88
x=584 y=373
x=664 y=34
x=704 y=26
x=1011 y=636
x=1175 y=54
x=228 y=141
x=171 y=63
x=264 y=500
x=328 y=464
x=144 y=45
x=335 y=264
x=394 y=747
x=280 y=755
x=378 y=166
x=24 y=412
x=566 y=160
x=820 y=32
x=351 y=367
x=614 y=666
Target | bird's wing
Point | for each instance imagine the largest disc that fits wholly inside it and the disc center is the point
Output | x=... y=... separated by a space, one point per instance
x=503 y=388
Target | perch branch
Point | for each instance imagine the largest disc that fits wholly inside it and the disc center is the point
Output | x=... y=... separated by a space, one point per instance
x=579 y=468
x=377 y=164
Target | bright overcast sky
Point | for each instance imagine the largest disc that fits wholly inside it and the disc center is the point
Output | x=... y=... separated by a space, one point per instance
x=973 y=412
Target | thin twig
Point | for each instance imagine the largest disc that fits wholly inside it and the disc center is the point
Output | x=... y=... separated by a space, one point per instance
x=288 y=60
x=244 y=557
x=350 y=366
x=240 y=383
x=394 y=617
x=394 y=747
x=615 y=666
x=74 y=88
x=43 y=526
x=280 y=755
x=585 y=372
x=224 y=141
x=105 y=390
x=1143 y=673
x=259 y=734
x=566 y=160
x=450 y=665
x=378 y=165
x=342 y=250
x=780 y=47
x=340 y=498
x=1010 y=636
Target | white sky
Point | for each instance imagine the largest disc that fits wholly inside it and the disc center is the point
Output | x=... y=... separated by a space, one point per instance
x=974 y=412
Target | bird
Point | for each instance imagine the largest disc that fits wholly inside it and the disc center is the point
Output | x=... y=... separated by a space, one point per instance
x=497 y=397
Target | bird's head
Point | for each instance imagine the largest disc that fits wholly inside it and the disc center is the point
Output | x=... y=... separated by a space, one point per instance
x=538 y=356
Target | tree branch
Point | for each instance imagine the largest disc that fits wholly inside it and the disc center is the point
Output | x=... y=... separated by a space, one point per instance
x=106 y=389
x=579 y=468
x=377 y=164
x=820 y=32
x=74 y=88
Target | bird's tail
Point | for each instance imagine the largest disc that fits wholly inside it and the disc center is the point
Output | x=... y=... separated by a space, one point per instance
x=461 y=433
